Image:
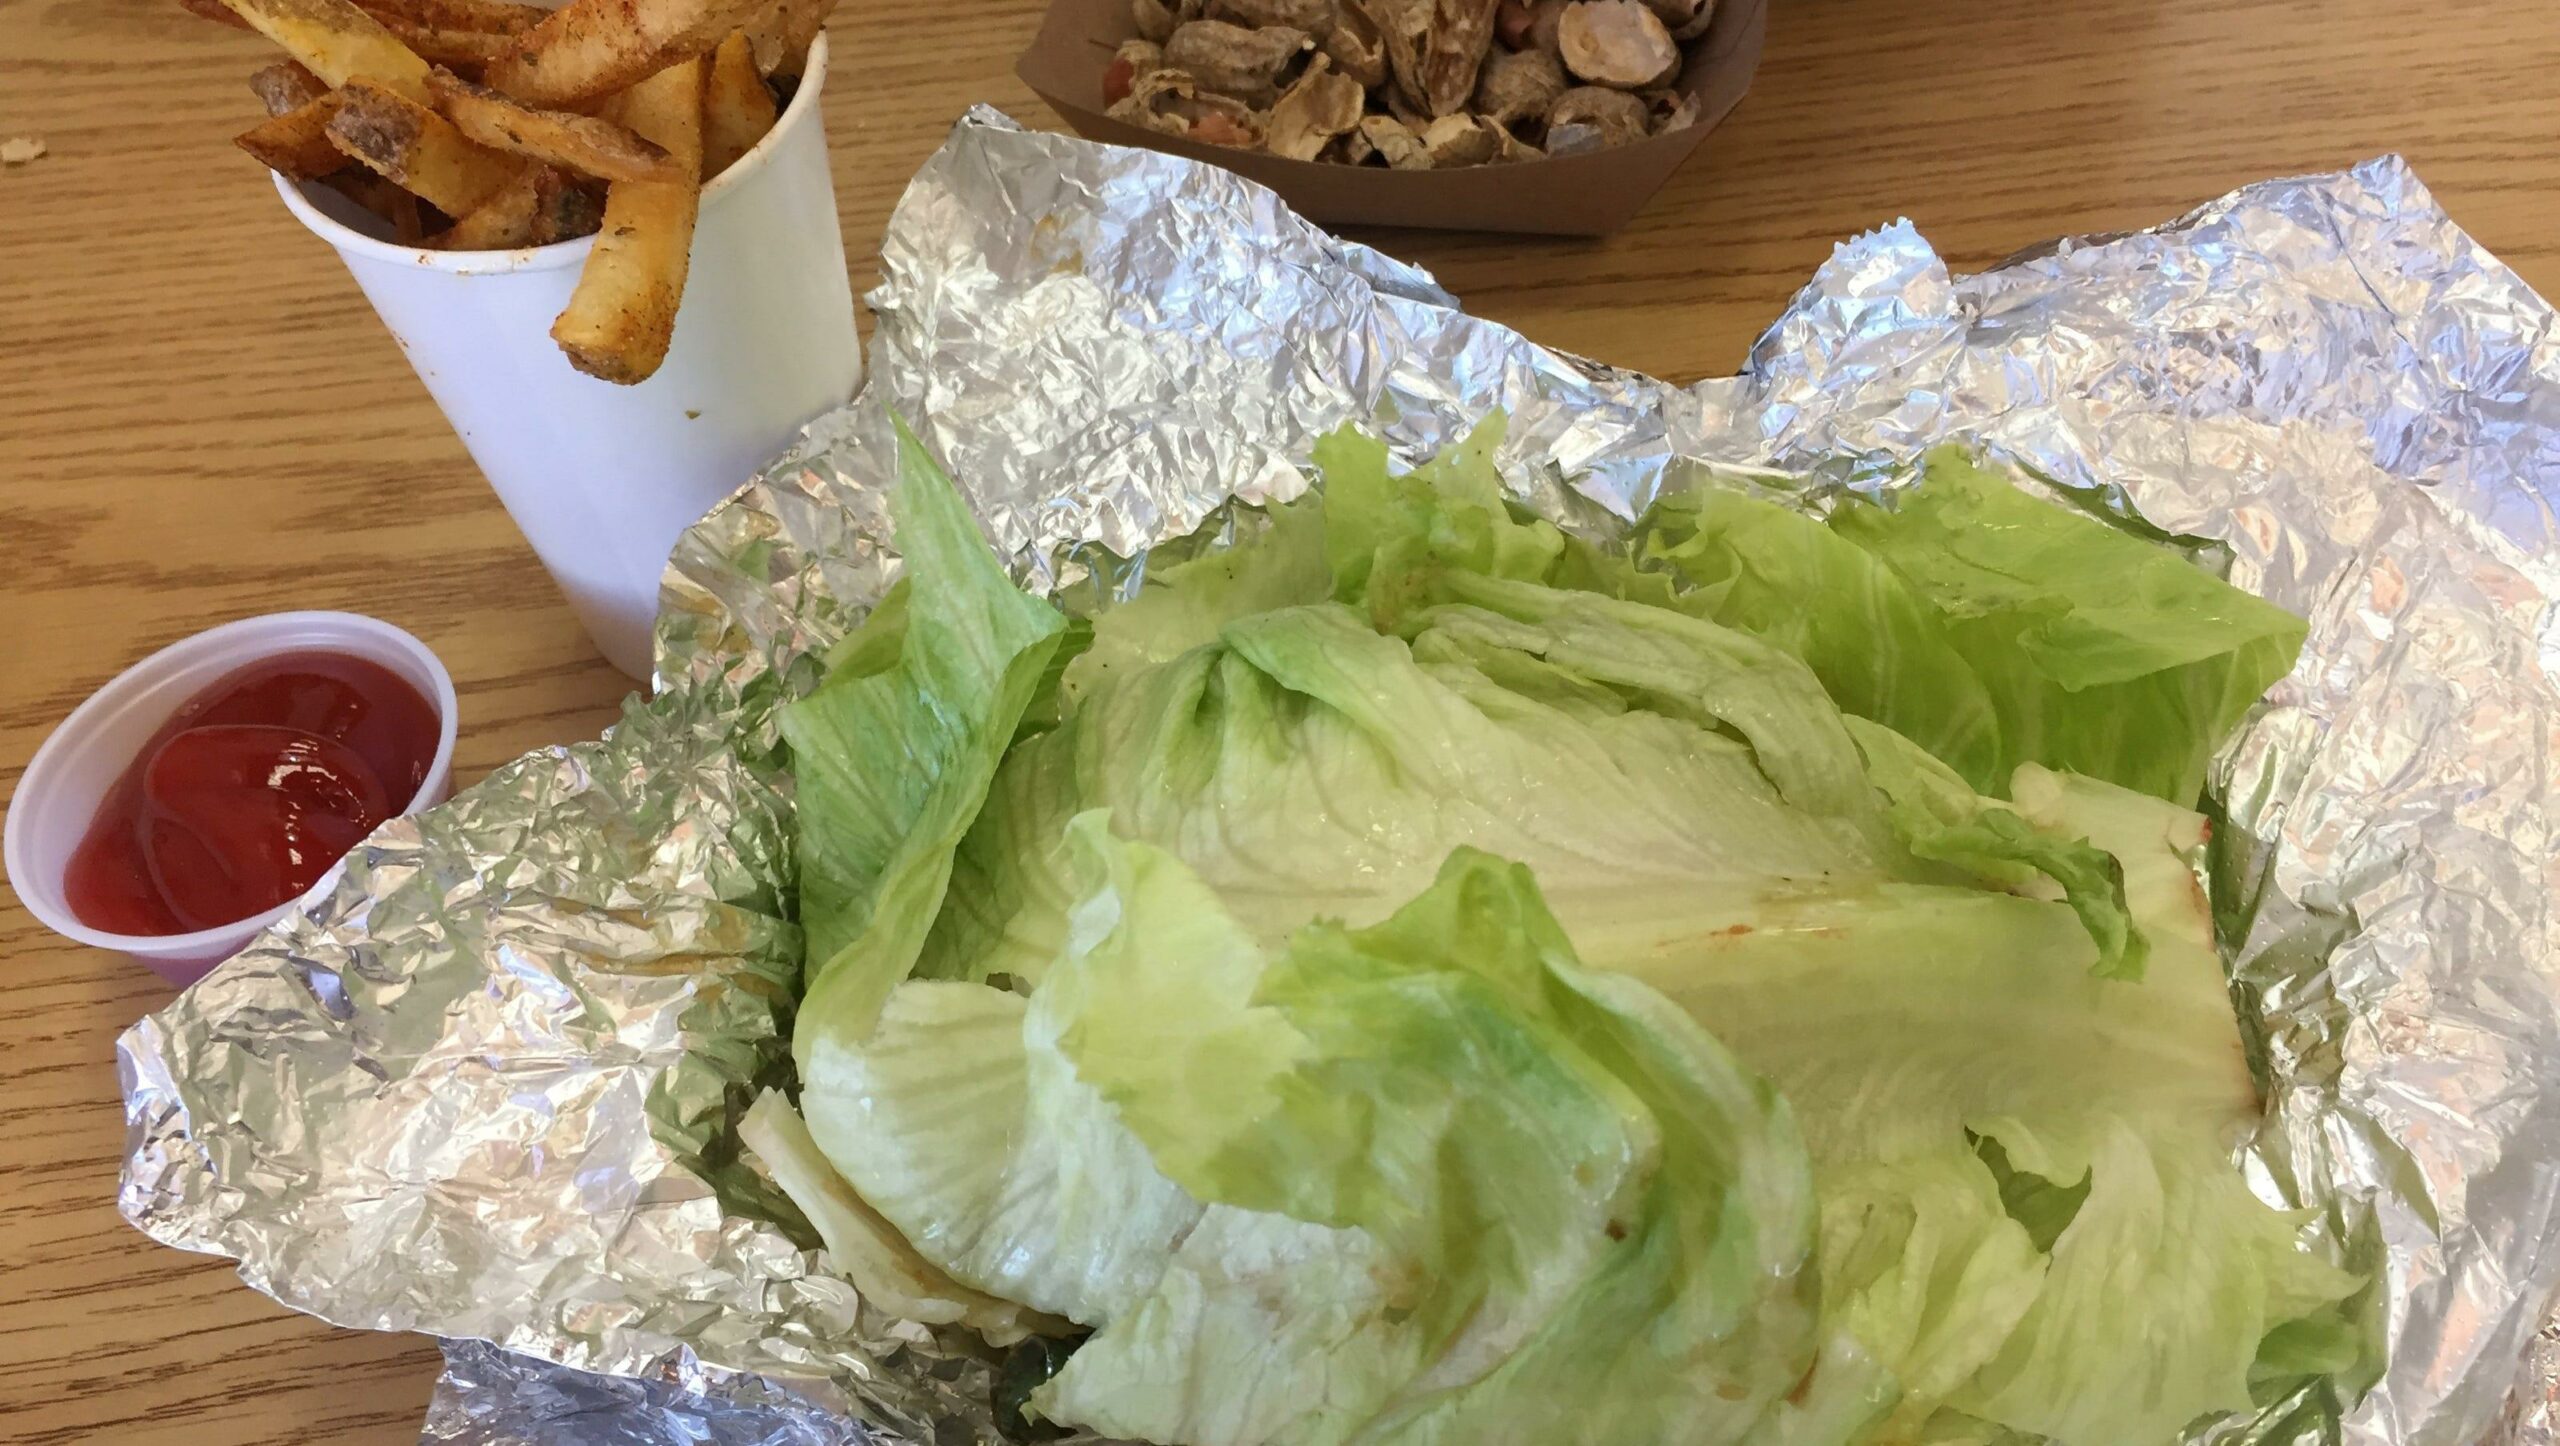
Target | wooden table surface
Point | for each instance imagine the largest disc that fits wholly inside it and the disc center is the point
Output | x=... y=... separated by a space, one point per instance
x=199 y=420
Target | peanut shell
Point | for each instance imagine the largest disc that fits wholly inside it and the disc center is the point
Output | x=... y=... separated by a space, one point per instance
x=1616 y=43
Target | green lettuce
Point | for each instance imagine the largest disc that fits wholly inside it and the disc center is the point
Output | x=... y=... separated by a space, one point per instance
x=2113 y=1279
x=1990 y=627
x=1430 y=1181
x=1881 y=651
x=1335 y=934
x=1940 y=818
x=866 y=1249
x=895 y=748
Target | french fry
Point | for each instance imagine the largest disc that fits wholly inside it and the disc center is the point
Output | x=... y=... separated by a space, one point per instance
x=588 y=49
x=285 y=86
x=385 y=200
x=497 y=16
x=623 y=312
x=213 y=10
x=378 y=196
x=583 y=143
x=536 y=208
x=417 y=149
x=465 y=34
x=603 y=118
x=337 y=42
x=505 y=220
x=736 y=108
x=297 y=143
x=781 y=33
x=571 y=207
x=469 y=50
x=489 y=17
x=407 y=227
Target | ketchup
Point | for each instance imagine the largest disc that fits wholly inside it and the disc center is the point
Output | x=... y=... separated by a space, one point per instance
x=247 y=796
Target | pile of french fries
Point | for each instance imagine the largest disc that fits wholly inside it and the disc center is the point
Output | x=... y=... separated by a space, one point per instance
x=487 y=125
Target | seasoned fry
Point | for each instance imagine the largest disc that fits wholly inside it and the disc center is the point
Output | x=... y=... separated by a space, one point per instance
x=468 y=50
x=407 y=227
x=297 y=143
x=571 y=207
x=285 y=86
x=736 y=108
x=418 y=149
x=373 y=193
x=589 y=49
x=300 y=146
x=584 y=143
x=466 y=34
x=782 y=31
x=215 y=11
x=337 y=42
x=502 y=222
x=497 y=16
x=489 y=17
x=623 y=313
x=603 y=118
x=536 y=208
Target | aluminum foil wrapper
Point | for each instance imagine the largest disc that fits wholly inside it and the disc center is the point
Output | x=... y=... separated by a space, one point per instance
x=484 y=1090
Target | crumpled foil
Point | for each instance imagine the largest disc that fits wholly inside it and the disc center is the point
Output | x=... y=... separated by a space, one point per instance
x=482 y=1090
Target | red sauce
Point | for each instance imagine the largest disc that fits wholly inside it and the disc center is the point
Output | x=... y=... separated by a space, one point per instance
x=246 y=797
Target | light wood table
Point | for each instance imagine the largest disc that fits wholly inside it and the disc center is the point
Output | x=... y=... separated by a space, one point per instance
x=200 y=420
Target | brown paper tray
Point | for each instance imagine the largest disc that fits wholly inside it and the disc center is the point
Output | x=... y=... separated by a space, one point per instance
x=1584 y=195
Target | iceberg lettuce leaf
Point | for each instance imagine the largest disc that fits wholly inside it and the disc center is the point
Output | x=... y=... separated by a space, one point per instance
x=894 y=750
x=1879 y=647
x=1317 y=1004
x=866 y=1249
x=2103 y=654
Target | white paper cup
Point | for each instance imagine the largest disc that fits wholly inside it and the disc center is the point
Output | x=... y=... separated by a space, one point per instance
x=603 y=478
x=58 y=796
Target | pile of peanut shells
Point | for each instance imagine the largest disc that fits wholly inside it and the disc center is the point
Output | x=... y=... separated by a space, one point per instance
x=1410 y=84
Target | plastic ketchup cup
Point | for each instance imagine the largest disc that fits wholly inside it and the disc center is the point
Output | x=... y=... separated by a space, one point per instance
x=223 y=778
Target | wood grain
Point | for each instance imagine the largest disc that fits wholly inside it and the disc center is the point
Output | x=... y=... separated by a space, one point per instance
x=200 y=420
